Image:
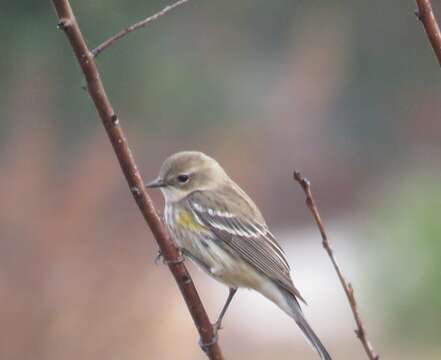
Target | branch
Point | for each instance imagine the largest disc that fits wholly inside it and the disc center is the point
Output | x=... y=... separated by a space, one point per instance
x=111 y=123
x=143 y=23
x=427 y=17
x=347 y=287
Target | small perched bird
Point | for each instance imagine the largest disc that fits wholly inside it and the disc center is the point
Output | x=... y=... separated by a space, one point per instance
x=217 y=225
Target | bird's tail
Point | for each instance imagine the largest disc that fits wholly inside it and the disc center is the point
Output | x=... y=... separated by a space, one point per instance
x=299 y=318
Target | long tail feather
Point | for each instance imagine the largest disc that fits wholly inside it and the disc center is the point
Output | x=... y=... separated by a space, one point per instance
x=299 y=318
x=312 y=337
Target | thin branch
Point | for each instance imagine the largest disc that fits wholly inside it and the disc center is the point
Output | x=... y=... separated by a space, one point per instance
x=427 y=17
x=111 y=123
x=360 y=331
x=112 y=40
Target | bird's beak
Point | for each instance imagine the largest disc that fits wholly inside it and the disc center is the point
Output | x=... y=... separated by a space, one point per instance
x=157 y=183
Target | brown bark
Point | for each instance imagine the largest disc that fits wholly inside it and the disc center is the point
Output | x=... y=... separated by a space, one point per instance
x=427 y=17
x=111 y=123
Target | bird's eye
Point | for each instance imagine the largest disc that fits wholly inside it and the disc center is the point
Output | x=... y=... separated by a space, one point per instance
x=183 y=178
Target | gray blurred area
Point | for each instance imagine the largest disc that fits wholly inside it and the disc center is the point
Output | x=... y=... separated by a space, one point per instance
x=348 y=92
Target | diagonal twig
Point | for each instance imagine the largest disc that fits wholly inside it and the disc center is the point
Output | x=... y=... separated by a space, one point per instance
x=427 y=17
x=347 y=287
x=111 y=41
x=111 y=123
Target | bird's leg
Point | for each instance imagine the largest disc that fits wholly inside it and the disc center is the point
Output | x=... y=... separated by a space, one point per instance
x=218 y=324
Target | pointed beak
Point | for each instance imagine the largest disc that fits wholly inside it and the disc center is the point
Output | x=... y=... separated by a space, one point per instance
x=157 y=183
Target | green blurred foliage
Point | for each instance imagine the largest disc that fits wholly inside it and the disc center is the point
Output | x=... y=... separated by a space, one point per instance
x=407 y=250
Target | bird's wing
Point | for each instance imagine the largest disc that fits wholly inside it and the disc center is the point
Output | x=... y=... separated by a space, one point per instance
x=240 y=234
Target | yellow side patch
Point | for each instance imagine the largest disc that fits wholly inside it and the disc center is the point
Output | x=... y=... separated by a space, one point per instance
x=186 y=220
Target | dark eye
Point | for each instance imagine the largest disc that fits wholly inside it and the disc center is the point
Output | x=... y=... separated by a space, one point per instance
x=183 y=178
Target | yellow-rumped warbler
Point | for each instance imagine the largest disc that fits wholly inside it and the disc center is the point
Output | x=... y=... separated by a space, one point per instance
x=218 y=226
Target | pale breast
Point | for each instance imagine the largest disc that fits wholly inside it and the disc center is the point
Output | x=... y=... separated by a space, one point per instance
x=208 y=252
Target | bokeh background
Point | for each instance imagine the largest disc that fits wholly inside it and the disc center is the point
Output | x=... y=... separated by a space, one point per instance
x=348 y=92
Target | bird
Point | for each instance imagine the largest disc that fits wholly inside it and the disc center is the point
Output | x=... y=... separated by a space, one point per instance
x=219 y=227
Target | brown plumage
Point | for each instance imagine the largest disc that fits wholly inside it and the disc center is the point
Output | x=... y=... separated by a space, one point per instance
x=219 y=227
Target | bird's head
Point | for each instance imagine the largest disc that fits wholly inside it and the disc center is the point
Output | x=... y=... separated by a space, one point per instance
x=188 y=171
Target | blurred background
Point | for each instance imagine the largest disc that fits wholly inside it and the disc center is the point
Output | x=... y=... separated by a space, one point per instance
x=348 y=92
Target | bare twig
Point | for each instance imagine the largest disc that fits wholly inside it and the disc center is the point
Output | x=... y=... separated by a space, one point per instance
x=110 y=41
x=360 y=331
x=68 y=23
x=427 y=17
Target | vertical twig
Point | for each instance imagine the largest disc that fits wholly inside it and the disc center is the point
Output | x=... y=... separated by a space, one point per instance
x=347 y=287
x=427 y=17
x=111 y=123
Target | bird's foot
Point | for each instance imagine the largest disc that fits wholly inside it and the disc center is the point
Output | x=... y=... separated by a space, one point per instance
x=205 y=346
x=160 y=258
